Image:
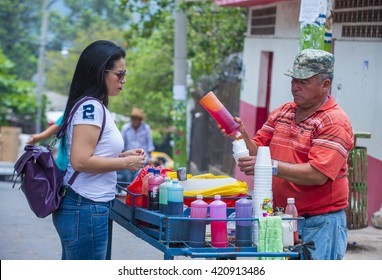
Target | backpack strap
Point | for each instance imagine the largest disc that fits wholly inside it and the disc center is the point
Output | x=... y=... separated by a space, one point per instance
x=64 y=126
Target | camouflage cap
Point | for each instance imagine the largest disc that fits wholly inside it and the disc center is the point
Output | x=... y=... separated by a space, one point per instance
x=310 y=62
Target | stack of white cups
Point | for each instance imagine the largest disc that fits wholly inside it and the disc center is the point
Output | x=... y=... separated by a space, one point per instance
x=262 y=198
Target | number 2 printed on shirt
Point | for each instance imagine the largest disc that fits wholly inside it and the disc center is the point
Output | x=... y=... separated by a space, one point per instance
x=88 y=113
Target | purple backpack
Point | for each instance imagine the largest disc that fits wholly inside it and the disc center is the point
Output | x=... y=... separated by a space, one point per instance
x=41 y=179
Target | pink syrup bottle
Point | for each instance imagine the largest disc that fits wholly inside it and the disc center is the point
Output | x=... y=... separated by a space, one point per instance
x=198 y=228
x=145 y=187
x=218 y=210
x=220 y=113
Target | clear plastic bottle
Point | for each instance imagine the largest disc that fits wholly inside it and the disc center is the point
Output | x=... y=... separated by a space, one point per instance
x=175 y=199
x=218 y=210
x=154 y=182
x=163 y=195
x=243 y=232
x=145 y=187
x=291 y=209
x=198 y=228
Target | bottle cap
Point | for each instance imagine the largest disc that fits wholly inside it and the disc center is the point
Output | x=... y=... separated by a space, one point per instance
x=199 y=196
x=237 y=135
x=290 y=200
x=156 y=171
x=151 y=170
x=217 y=197
x=175 y=181
x=167 y=179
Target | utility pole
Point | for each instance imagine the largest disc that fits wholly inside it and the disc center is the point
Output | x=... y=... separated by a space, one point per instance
x=180 y=88
x=41 y=61
x=316 y=22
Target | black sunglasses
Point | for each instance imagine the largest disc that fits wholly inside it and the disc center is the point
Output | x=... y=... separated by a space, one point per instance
x=120 y=74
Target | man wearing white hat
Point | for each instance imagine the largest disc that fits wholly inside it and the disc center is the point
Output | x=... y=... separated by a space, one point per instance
x=137 y=134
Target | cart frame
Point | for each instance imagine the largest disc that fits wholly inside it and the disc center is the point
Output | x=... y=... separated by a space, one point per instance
x=165 y=233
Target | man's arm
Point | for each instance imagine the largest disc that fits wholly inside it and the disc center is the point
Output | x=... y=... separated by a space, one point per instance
x=301 y=174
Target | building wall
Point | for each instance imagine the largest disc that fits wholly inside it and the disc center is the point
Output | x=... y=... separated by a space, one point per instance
x=356 y=86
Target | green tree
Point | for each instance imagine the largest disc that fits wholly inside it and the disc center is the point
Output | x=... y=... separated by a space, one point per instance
x=213 y=32
x=59 y=70
x=17 y=97
x=20 y=23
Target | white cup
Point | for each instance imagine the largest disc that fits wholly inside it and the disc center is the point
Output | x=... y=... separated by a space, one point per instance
x=240 y=154
x=263 y=157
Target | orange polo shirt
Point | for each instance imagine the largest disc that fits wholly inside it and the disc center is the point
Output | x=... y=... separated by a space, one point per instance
x=324 y=140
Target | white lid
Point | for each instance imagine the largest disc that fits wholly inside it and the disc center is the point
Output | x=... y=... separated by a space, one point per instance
x=217 y=197
x=290 y=200
x=199 y=196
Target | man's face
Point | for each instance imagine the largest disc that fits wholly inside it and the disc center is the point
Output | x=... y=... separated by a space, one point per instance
x=309 y=92
x=136 y=122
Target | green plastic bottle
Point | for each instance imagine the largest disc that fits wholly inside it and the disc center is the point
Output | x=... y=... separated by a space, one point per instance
x=163 y=195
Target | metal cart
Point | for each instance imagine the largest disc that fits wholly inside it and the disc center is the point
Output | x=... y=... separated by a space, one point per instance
x=170 y=234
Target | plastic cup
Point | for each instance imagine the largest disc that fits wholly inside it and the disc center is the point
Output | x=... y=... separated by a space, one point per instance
x=262 y=194
x=263 y=168
x=263 y=156
x=240 y=154
x=239 y=146
x=261 y=184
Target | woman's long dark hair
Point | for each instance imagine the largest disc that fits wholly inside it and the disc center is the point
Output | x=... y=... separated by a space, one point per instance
x=89 y=76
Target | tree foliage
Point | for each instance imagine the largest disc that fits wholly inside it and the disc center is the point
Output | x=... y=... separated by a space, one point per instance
x=17 y=97
x=20 y=23
x=213 y=32
x=59 y=70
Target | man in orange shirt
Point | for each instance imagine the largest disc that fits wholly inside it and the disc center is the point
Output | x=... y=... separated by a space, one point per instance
x=309 y=140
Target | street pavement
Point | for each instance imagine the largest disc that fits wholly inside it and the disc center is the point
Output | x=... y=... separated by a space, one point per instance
x=23 y=236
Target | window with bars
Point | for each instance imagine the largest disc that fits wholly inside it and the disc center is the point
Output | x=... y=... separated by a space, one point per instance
x=263 y=21
x=359 y=18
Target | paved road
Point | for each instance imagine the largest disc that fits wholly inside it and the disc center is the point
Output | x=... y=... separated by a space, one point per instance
x=23 y=236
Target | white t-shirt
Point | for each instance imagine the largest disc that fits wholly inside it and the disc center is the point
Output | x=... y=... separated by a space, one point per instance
x=97 y=187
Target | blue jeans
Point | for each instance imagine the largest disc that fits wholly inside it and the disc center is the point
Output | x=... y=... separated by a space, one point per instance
x=329 y=233
x=82 y=225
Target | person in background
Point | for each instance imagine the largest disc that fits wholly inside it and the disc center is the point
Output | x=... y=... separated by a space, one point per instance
x=82 y=219
x=62 y=158
x=309 y=141
x=136 y=134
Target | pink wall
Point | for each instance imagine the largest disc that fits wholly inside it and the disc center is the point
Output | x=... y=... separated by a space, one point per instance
x=374 y=192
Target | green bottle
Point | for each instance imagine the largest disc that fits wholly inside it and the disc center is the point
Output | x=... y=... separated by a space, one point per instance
x=163 y=195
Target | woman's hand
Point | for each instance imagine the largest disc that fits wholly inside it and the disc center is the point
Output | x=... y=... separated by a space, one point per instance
x=133 y=152
x=247 y=165
x=32 y=140
x=134 y=162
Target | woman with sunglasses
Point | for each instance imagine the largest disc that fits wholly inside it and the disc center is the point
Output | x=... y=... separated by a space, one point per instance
x=94 y=145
